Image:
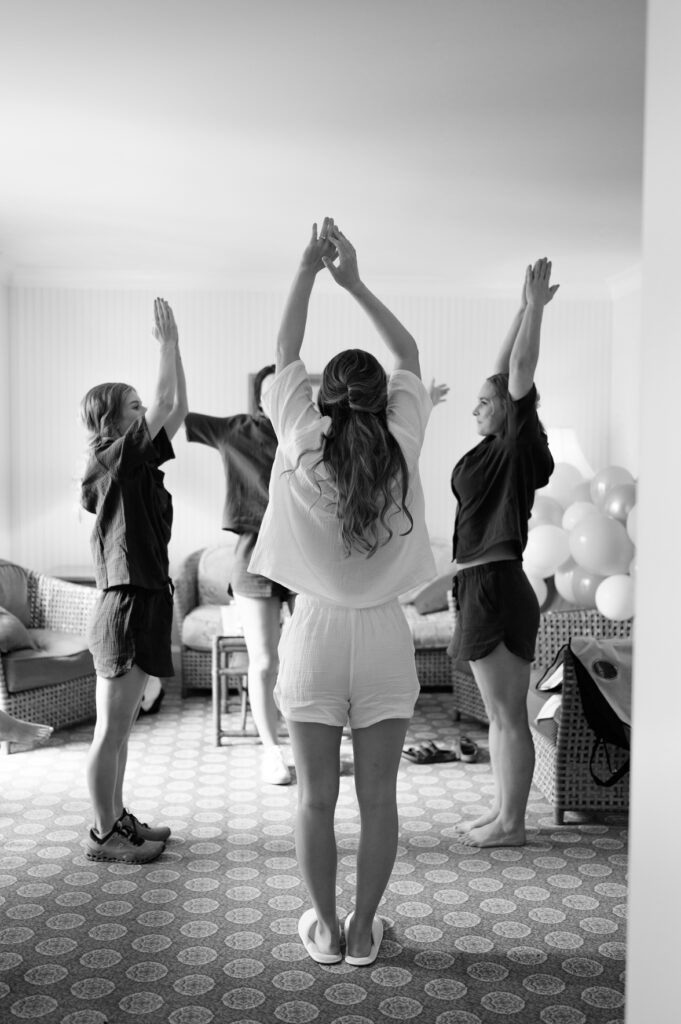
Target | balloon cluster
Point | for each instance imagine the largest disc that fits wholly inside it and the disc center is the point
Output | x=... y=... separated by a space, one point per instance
x=583 y=534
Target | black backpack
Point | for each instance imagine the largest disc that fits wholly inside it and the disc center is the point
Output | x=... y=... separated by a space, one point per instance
x=609 y=729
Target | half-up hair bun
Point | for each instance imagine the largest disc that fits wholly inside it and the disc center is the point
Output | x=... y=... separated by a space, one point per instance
x=362 y=398
x=353 y=380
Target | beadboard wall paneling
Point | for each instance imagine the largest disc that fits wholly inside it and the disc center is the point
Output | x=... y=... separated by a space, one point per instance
x=626 y=347
x=63 y=341
x=5 y=425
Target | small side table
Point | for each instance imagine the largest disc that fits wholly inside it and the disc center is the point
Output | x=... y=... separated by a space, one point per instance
x=227 y=669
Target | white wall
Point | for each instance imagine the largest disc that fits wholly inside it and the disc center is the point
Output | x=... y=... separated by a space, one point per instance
x=654 y=948
x=64 y=340
x=5 y=392
x=625 y=410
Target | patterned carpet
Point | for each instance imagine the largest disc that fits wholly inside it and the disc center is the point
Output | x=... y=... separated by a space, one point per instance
x=208 y=932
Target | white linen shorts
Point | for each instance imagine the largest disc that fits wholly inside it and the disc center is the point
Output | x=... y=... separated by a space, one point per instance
x=340 y=665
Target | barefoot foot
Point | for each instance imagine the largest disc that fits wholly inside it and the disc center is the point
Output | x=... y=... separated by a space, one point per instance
x=14 y=730
x=484 y=819
x=495 y=835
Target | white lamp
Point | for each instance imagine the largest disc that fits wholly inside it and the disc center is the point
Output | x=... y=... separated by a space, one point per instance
x=566 y=448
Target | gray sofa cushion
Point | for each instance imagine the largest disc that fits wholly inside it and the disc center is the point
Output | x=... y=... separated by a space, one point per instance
x=58 y=658
x=200 y=626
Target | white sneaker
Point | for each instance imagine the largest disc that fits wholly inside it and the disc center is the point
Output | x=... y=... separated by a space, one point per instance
x=274 y=769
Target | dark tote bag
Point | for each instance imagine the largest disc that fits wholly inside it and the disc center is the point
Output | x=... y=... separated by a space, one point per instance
x=611 y=665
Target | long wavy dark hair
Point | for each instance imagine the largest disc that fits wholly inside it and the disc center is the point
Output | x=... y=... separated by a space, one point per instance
x=100 y=412
x=365 y=461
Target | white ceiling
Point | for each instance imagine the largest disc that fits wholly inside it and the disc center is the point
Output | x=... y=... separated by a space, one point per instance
x=453 y=140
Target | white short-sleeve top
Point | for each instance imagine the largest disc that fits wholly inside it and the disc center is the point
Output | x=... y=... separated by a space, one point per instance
x=299 y=543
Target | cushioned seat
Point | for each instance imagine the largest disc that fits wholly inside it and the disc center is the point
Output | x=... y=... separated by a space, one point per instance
x=199 y=627
x=56 y=658
x=46 y=671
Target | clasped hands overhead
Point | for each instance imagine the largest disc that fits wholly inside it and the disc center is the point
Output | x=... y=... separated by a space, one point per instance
x=331 y=249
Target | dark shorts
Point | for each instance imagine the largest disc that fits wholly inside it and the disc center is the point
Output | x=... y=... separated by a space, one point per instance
x=250 y=584
x=494 y=602
x=132 y=626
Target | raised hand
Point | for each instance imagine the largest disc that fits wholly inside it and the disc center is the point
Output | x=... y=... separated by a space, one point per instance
x=345 y=272
x=437 y=392
x=318 y=247
x=538 y=288
x=165 y=328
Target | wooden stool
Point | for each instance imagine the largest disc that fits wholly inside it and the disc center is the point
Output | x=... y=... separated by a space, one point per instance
x=224 y=672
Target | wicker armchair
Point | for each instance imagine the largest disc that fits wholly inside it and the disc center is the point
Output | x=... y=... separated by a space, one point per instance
x=63 y=607
x=561 y=768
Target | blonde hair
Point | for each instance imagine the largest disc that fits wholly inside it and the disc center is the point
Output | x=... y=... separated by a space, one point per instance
x=101 y=410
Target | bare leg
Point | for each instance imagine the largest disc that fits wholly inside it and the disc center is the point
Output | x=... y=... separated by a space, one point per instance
x=260 y=618
x=117 y=703
x=377 y=750
x=504 y=679
x=15 y=730
x=316 y=753
x=119 y=804
x=493 y=812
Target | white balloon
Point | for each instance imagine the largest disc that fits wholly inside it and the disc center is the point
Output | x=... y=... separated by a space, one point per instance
x=547 y=547
x=615 y=597
x=576 y=511
x=563 y=580
x=605 y=480
x=601 y=545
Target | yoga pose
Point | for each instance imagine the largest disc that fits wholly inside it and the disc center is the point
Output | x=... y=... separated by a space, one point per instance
x=247 y=444
x=498 y=613
x=129 y=629
x=345 y=529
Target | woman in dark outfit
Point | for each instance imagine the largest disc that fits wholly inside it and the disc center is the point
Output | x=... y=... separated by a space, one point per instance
x=129 y=630
x=247 y=444
x=498 y=613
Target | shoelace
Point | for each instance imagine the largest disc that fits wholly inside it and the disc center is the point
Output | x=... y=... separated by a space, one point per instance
x=135 y=821
x=129 y=833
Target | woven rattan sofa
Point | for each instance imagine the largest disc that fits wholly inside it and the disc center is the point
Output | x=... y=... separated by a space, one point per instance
x=562 y=764
x=54 y=682
x=201 y=592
